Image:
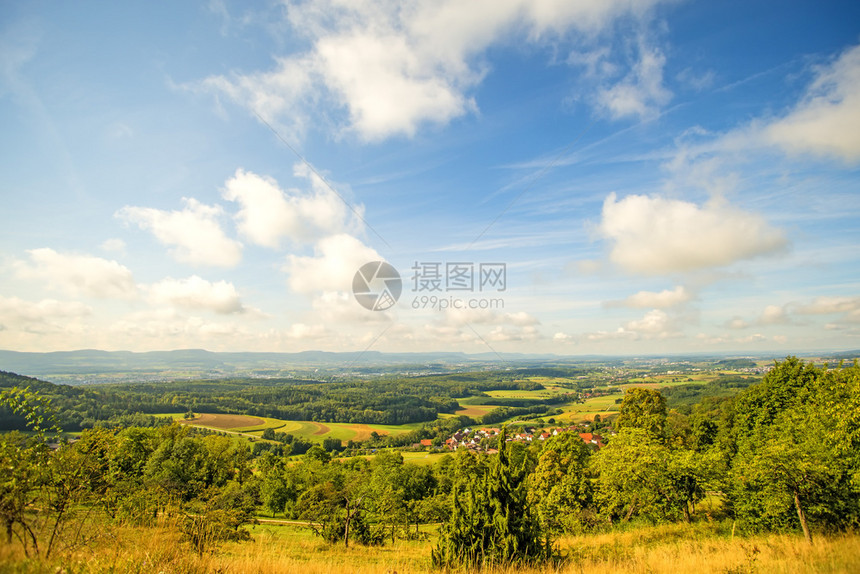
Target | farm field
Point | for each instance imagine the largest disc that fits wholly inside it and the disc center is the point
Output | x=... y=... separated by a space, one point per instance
x=309 y=430
x=534 y=395
x=251 y=426
x=474 y=411
x=579 y=412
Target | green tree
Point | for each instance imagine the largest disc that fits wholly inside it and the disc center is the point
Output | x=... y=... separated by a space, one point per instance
x=638 y=475
x=560 y=488
x=644 y=409
x=494 y=526
x=795 y=440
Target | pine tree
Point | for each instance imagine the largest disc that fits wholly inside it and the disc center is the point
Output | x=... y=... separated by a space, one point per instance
x=496 y=526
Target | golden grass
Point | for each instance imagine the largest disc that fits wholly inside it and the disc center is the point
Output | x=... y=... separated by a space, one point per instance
x=225 y=422
x=701 y=549
x=682 y=548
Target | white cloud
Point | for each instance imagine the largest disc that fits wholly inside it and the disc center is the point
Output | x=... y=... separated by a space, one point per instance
x=773 y=315
x=502 y=333
x=193 y=234
x=268 y=213
x=847 y=307
x=654 y=235
x=197 y=293
x=466 y=316
x=662 y=300
x=341 y=307
x=642 y=92
x=655 y=324
x=828 y=306
x=827 y=121
x=78 y=274
x=754 y=338
x=160 y=328
x=332 y=267
x=470 y=325
x=620 y=333
x=303 y=332
x=113 y=245
x=48 y=315
x=393 y=66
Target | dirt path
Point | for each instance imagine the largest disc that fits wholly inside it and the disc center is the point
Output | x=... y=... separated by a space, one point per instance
x=322 y=429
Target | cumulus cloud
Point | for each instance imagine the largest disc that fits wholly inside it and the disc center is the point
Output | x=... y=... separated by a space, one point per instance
x=197 y=293
x=78 y=274
x=773 y=315
x=48 y=315
x=654 y=235
x=661 y=300
x=334 y=263
x=303 y=332
x=847 y=307
x=655 y=324
x=483 y=326
x=267 y=213
x=340 y=307
x=827 y=120
x=158 y=328
x=194 y=234
x=502 y=333
x=392 y=67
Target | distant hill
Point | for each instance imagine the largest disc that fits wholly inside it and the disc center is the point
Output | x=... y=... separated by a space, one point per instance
x=94 y=366
x=91 y=365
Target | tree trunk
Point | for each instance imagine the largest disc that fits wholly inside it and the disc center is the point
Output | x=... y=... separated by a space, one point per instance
x=802 y=516
x=346 y=529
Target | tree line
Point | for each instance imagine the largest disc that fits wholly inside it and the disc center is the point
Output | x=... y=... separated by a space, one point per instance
x=388 y=400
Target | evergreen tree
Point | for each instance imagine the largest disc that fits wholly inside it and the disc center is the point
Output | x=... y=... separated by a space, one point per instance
x=495 y=526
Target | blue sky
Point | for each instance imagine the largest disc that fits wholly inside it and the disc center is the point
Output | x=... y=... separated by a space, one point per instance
x=655 y=176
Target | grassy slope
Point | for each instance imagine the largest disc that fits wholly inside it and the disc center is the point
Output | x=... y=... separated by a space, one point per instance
x=704 y=548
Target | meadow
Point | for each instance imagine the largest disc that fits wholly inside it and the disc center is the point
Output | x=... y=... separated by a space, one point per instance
x=703 y=548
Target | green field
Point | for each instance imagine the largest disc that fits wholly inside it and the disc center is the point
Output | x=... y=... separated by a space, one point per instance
x=308 y=430
x=578 y=412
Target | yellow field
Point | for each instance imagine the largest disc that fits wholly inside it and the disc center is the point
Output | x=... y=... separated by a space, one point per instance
x=474 y=410
x=225 y=422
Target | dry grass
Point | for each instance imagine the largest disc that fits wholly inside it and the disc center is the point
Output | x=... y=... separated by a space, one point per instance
x=704 y=550
x=701 y=549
